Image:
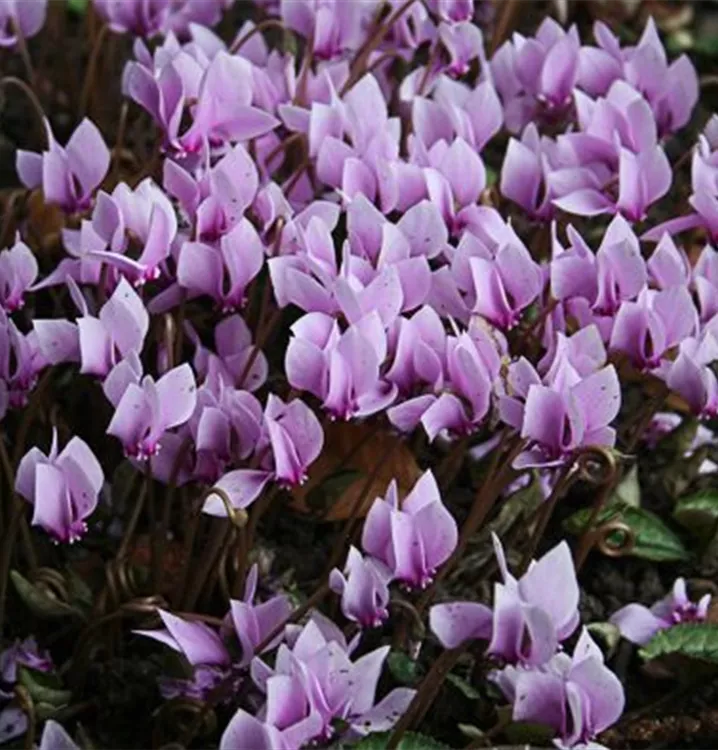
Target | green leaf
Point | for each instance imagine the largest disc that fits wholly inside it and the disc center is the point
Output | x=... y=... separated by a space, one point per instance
x=41 y=602
x=78 y=590
x=463 y=686
x=409 y=741
x=695 y=640
x=529 y=733
x=78 y=6
x=44 y=687
x=628 y=491
x=402 y=667
x=698 y=513
x=654 y=540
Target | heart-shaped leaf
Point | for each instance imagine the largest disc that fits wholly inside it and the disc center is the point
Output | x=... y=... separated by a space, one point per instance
x=653 y=539
x=44 y=687
x=698 y=513
x=39 y=601
x=695 y=640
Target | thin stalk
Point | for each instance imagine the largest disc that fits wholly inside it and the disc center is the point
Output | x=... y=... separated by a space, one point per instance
x=30 y=94
x=562 y=486
x=270 y=23
x=425 y=695
x=359 y=64
x=212 y=550
x=24 y=53
x=91 y=71
x=504 y=23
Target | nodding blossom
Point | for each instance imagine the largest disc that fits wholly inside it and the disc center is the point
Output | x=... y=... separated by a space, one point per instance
x=639 y=624
x=413 y=536
x=62 y=486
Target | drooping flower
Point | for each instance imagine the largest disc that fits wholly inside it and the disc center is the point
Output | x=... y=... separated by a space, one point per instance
x=315 y=688
x=412 y=537
x=530 y=617
x=145 y=18
x=363 y=587
x=145 y=409
x=577 y=696
x=97 y=342
x=62 y=487
x=68 y=176
x=197 y=642
x=20 y=17
x=342 y=369
x=203 y=649
x=565 y=411
x=639 y=624
x=18 y=271
x=222 y=273
x=645 y=330
x=290 y=441
x=24 y=653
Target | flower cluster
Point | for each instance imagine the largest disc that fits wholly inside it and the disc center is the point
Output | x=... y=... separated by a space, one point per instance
x=577 y=696
x=427 y=290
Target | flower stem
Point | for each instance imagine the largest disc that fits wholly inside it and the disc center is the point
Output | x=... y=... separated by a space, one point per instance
x=425 y=695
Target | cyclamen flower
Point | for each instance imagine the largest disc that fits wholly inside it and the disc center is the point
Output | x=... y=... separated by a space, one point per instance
x=291 y=440
x=639 y=624
x=222 y=273
x=334 y=27
x=69 y=175
x=28 y=16
x=462 y=376
x=21 y=360
x=620 y=135
x=535 y=77
x=671 y=90
x=412 y=537
x=24 y=653
x=145 y=409
x=235 y=352
x=578 y=696
x=363 y=587
x=314 y=688
x=648 y=328
x=562 y=413
x=18 y=271
x=593 y=286
x=216 y=201
x=100 y=342
x=690 y=374
x=254 y=622
x=146 y=18
x=201 y=646
x=197 y=642
x=142 y=220
x=341 y=369
x=530 y=617
x=505 y=285
x=62 y=487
